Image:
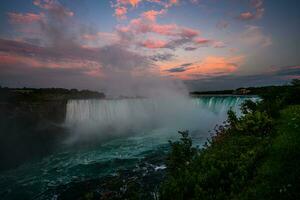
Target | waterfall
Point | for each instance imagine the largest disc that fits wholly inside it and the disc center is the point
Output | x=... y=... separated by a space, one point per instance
x=123 y=115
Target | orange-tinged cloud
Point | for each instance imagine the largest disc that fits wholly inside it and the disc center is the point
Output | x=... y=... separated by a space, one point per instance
x=121 y=7
x=133 y=3
x=211 y=65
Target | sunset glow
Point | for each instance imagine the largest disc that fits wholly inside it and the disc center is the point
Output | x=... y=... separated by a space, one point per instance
x=198 y=41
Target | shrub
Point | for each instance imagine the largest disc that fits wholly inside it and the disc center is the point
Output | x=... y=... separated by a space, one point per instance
x=255 y=123
x=182 y=153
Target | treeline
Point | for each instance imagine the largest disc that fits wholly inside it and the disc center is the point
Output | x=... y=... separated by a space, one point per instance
x=255 y=156
x=46 y=94
x=250 y=90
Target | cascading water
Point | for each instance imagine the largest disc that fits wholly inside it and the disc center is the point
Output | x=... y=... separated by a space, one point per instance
x=109 y=117
x=148 y=124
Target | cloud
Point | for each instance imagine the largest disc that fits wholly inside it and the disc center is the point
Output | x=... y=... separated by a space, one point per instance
x=286 y=71
x=202 y=41
x=152 y=14
x=90 y=59
x=20 y=75
x=176 y=69
x=55 y=7
x=142 y=25
x=180 y=68
x=146 y=24
x=175 y=36
x=246 y=16
x=218 y=64
x=120 y=12
x=23 y=64
x=24 y=18
x=222 y=24
x=161 y=57
x=276 y=76
x=122 y=6
x=254 y=36
x=133 y=3
x=190 y=48
x=218 y=44
x=209 y=66
x=154 y=44
x=257 y=5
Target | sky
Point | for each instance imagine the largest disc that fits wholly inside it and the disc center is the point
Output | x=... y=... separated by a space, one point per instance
x=98 y=44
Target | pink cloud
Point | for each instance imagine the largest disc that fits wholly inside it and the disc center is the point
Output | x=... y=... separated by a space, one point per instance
x=188 y=32
x=120 y=12
x=146 y=24
x=246 y=16
x=53 y=6
x=121 y=7
x=202 y=41
x=152 y=14
x=256 y=14
x=143 y=25
x=176 y=35
x=26 y=18
x=218 y=44
x=154 y=44
x=133 y=3
x=254 y=36
x=34 y=62
x=171 y=3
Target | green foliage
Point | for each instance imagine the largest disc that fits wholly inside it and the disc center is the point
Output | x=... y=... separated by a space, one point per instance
x=255 y=156
x=255 y=123
x=182 y=153
x=278 y=177
x=217 y=172
x=248 y=106
x=295 y=82
x=17 y=95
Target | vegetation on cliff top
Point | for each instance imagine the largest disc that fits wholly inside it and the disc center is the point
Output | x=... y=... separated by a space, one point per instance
x=45 y=94
x=255 y=156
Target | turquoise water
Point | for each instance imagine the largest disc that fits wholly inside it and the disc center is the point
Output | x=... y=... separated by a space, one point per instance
x=136 y=128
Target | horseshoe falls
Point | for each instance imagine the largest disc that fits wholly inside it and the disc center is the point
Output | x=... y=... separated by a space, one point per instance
x=107 y=118
x=106 y=136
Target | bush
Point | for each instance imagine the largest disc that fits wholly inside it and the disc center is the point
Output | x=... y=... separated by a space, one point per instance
x=255 y=123
x=242 y=161
x=182 y=153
